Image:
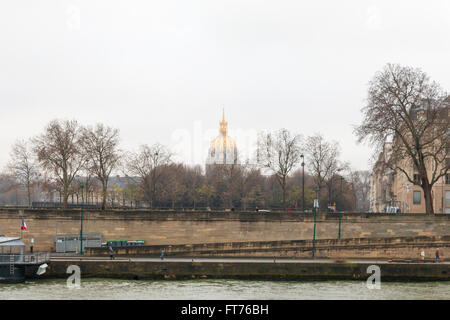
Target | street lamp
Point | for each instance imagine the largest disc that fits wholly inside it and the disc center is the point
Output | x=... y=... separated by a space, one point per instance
x=316 y=206
x=303 y=182
x=81 y=228
x=155 y=165
x=341 y=210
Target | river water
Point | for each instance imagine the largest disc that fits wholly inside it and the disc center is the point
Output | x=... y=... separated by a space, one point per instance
x=93 y=289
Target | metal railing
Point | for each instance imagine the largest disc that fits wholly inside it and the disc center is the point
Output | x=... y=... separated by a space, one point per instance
x=27 y=258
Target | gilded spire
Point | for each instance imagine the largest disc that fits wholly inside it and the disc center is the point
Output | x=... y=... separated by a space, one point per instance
x=223 y=124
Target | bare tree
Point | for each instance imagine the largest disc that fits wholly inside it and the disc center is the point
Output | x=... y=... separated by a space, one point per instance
x=249 y=184
x=172 y=187
x=407 y=108
x=23 y=167
x=100 y=146
x=336 y=171
x=279 y=152
x=59 y=152
x=206 y=192
x=193 y=179
x=323 y=160
x=147 y=164
x=360 y=183
x=6 y=182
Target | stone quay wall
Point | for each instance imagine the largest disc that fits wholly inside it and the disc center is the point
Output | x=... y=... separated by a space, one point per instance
x=186 y=227
x=245 y=270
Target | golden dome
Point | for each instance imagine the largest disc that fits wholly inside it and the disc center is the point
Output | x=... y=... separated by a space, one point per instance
x=223 y=142
x=223 y=148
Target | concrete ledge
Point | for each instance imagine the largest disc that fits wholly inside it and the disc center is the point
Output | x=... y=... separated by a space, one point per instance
x=389 y=248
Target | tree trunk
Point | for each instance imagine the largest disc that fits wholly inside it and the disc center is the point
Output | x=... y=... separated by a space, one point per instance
x=283 y=186
x=428 y=198
x=29 y=195
x=65 y=199
x=329 y=193
x=318 y=199
x=426 y=187
x=65 y=196
x=104 y=194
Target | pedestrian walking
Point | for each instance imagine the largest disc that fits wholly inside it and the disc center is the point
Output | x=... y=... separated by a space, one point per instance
x=111 y=253
x=422 y=255
x=438 y=255
x=162 y=254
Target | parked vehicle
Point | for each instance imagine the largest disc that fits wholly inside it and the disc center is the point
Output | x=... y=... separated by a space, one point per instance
x=123 y=243
x=393 y=210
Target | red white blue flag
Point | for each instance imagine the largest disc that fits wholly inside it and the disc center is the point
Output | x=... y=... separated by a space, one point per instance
x=24 y=225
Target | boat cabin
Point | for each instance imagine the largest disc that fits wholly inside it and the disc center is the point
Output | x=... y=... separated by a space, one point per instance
x=9 y=245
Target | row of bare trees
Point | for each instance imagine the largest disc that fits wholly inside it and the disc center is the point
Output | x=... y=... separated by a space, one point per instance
x=67 y=154
x=62 y=152
x=404 y=107
x=280 y=153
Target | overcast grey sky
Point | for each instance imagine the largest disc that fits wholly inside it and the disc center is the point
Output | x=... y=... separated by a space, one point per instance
x=161 y=71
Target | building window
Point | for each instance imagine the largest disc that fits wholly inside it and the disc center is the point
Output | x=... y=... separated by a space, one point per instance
x=417 y=179
x=416 y=197
x=447 y=178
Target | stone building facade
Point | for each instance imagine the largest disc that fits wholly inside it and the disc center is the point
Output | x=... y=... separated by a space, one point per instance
x=391 y=191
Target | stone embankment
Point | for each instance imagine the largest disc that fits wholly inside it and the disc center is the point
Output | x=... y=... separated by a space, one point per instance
x=257 y=270
x=187 y=227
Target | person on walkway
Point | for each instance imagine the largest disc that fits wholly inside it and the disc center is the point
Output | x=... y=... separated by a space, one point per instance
x=111 y=253
x=162 y=254
x=422 y=255
x=438 y=255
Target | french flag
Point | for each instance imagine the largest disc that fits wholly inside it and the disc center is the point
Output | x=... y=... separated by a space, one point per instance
x=24 y=225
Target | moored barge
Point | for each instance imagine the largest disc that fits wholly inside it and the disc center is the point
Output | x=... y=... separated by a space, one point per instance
x=14 y=260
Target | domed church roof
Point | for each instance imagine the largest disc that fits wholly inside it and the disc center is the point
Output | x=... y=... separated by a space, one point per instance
x=223 y=148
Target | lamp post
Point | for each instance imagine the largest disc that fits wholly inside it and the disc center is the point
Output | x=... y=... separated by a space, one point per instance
x=154 y=165
x=81 y=228
x=341 y=210
x=303 y=182
x=316 y=205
